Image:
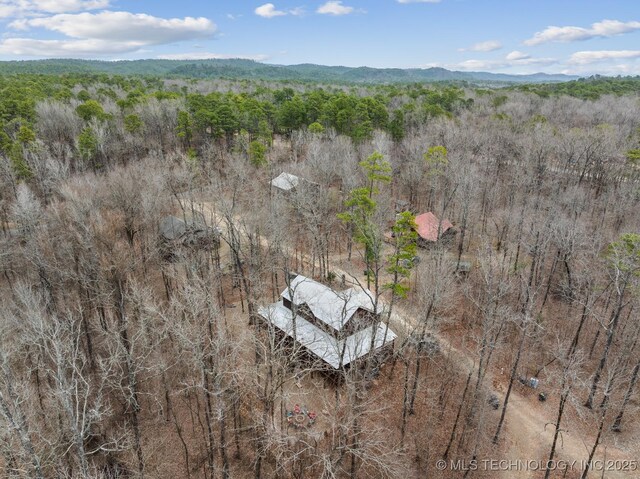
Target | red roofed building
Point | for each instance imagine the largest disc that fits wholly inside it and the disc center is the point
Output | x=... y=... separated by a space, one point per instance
x=428 y=225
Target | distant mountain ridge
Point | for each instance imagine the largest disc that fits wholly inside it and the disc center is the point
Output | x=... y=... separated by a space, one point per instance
x=249 y=69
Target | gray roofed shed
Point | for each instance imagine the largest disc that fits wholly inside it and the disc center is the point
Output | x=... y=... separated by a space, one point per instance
x=172 y=228
x=194 y=232
x=285 y=182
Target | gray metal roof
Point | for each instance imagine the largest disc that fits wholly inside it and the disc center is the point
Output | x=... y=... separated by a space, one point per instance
x=333 y=308
x=193 y=231
x=285 y=181
x=332 y=351
x=172 y=228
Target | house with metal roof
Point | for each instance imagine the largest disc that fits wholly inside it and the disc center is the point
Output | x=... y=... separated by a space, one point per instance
x=335 y=327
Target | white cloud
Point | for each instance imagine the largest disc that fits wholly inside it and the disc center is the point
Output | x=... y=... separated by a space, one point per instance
x=13 y=8
x=512 y=60
x=603 y=29
x=65 y=48
x=122 y=27
x=516 y=55
x=104 y=33
x=628 y=68
x=210 y=56
x=418 y=1
x=334 y=7
x=587 y=57
x=475 y=65
x=6 y=11
x=488 y=46
x=584 y=63
x=62 y=6
x=268 y=10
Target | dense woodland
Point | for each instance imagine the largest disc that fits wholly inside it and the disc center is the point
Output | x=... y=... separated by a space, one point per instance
x=122 y=355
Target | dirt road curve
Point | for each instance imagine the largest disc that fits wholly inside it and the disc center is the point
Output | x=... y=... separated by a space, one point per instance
x=527 y=438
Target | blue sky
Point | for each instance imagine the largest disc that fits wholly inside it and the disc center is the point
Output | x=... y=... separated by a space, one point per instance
x=517 y=36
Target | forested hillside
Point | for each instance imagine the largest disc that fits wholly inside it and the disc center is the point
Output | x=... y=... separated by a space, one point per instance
x=588 y=88
x=142 y=240
x=251 y=70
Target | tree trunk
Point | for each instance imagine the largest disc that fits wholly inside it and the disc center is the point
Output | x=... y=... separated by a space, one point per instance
x=627 y=398
x=455 y=423
x=556 y=434
x=514 y=372
x=605 y=354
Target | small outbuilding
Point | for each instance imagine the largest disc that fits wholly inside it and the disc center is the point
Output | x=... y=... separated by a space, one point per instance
x=285 y=182
x=176 y=233
x=172 y=228
x=430 y=229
